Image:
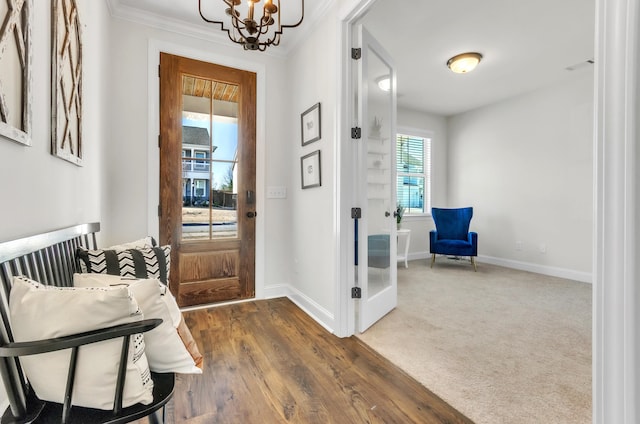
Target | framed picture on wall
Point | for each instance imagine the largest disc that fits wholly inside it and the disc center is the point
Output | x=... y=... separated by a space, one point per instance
x=310 y=170
x=66 y=81
x=16 y=78
x=310 y=122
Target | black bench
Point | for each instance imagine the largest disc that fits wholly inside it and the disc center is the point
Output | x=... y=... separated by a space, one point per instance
x=49 y=258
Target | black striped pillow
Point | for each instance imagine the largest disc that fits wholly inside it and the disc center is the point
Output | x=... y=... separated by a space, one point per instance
x=152 y=262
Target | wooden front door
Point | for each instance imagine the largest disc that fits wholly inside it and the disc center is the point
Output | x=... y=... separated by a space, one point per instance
x=207 y=179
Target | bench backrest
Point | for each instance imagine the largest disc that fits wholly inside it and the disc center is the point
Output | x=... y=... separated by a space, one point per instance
x=48 y=258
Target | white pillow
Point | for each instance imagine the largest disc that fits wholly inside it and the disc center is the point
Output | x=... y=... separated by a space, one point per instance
x=165 y=348
x=143 y=243
x=40 y=312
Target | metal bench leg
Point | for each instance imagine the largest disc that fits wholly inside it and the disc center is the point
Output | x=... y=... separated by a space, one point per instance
x=157 y=417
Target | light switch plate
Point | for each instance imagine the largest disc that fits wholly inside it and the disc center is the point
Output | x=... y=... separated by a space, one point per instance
x=274 y=192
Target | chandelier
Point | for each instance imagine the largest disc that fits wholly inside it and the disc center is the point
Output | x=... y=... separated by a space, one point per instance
x=261 y=26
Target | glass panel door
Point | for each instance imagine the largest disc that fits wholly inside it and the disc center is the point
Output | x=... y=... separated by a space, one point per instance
x=377 y=274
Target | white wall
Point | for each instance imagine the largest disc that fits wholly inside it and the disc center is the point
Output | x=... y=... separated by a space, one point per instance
x=132 y=154
x=311 y=78
x=40 y=192
x=424 y=123
x=525 y=165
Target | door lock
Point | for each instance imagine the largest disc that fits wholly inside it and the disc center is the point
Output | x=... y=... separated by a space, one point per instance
x=252 y=214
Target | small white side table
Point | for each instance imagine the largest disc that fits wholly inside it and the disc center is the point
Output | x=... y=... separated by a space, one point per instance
x=404 y=235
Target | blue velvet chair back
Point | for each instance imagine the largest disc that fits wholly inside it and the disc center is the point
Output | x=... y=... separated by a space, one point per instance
x=452 y=224
x=379 y=250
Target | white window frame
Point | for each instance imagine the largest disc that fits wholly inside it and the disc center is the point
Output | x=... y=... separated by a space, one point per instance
x=427 y=173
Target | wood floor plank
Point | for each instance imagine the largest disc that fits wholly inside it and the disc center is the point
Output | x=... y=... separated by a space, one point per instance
x=268 y=362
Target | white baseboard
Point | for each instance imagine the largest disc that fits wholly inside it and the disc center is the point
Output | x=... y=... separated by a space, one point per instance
x=276 y=290
x=552 y=271
x=569 y=274
x=319 y=314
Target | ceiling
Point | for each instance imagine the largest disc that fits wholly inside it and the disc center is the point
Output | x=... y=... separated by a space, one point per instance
x=198 y=87
x=525 y=45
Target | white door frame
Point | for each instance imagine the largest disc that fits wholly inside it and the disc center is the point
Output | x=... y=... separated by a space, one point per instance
x=616 y=295
x=345 y=310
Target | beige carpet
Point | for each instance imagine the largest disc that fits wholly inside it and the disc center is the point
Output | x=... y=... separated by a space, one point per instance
x=500 y=345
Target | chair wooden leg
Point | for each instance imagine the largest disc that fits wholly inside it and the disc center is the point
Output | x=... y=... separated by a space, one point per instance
x=473 y=262
x=433 y=259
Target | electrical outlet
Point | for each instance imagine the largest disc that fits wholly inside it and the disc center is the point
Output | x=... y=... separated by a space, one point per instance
x=519 y=246
x=543 y=248
x=276 y=192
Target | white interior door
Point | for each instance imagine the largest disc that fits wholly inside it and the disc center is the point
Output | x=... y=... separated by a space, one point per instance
x=377 y=269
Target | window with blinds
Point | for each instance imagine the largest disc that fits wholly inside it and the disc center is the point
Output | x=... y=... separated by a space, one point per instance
x=413 y=162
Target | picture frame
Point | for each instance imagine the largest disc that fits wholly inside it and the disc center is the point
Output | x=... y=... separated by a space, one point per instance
x=310 y=124
x=66 y=82
x=310 y=170
x=16 y=72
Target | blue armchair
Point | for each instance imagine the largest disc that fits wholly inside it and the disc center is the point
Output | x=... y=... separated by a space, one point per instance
x=379 y=249
x=452 y=236
x=378 y=252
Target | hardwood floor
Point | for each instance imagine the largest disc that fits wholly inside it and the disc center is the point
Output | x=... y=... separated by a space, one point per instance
x=267 y=362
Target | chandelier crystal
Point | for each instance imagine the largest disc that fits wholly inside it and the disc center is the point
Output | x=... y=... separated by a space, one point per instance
x=260 y=27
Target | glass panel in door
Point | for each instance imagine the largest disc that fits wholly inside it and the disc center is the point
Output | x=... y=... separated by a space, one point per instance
x=378 y=274
x=209 y=159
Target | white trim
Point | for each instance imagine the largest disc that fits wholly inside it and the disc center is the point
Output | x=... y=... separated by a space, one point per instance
x=551 y=271
x=428 y=179
x=276 y=290
x=616 y=345
x=319 y=314
x=419 y=132
x=345 y=172
x=569 y=274
x=153 y=196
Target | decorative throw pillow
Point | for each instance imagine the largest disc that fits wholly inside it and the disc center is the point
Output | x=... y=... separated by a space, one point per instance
x=153 y=262
x=170 y=346
x=40 y=312
x=143 y=243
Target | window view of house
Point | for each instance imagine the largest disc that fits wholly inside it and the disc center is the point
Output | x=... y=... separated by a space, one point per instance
x=209 y=170
x=413 y=165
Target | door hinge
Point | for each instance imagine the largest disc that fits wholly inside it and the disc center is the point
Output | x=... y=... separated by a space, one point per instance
x=356 y=133
x=356 y=213
x=159 y=141
x=158 y=71
x=159 y=211
x=356 y=53
x=356 y=293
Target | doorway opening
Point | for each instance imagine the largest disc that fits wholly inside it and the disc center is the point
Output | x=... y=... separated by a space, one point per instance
x=207 y=179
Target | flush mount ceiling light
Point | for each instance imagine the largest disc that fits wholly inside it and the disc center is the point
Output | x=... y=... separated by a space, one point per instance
x=465 y=62
x=253 y=32
x=384 y=83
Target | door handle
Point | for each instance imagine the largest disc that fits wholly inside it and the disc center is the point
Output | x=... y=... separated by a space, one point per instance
x=252 y=214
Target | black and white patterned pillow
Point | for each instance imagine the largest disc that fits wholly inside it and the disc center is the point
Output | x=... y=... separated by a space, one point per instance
x=152 y=262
